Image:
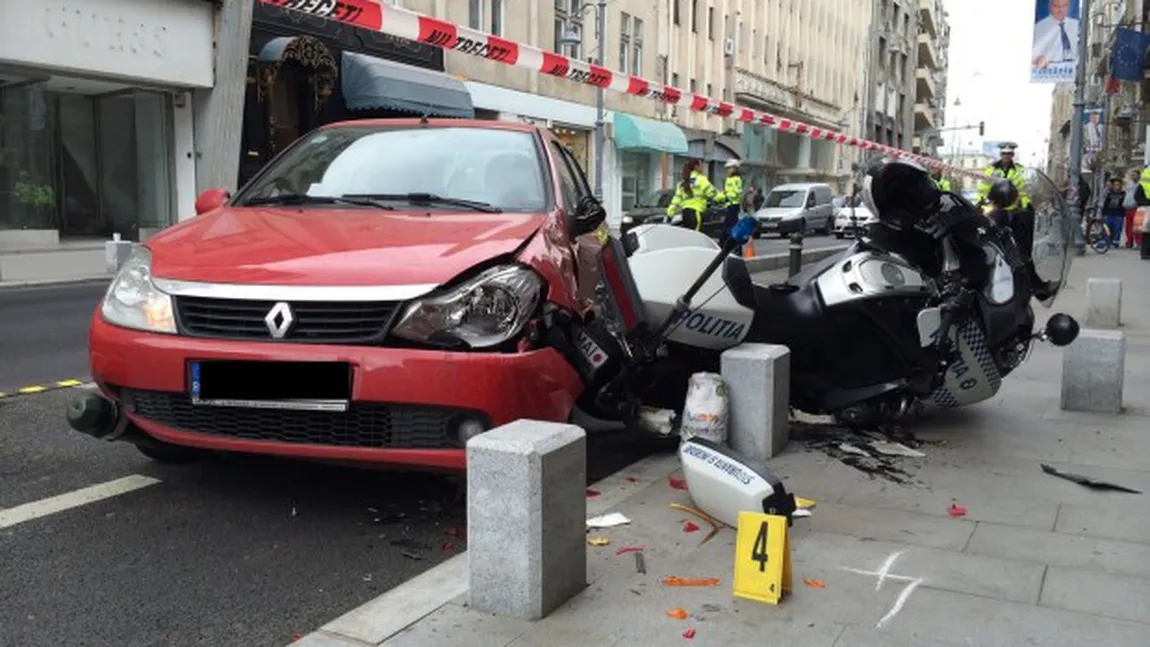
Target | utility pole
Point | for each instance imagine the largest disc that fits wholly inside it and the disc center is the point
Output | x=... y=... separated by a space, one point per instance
x=1076 y=129
x=600 y=124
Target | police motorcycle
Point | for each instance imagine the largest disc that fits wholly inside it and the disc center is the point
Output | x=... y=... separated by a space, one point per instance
x=931 y=307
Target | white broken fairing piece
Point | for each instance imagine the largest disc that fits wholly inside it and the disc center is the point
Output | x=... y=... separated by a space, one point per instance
x=608 y=521
x=722 y=483
x=889 y=448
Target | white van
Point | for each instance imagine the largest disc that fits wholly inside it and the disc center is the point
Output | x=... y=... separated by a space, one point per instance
x=797 y=207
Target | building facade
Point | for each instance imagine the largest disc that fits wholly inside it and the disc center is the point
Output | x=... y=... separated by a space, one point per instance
x=96 y=124
x=933 y=45
x=895 y=46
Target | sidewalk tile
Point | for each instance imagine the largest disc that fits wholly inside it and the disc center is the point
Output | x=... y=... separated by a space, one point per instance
x=1059 y=549
x=1121 y=520
x=456 y=626
x=960 y=619
x=1009 y=580
x=892 y=525
x=1100 y=594
x=323 y=639
x=984 y=502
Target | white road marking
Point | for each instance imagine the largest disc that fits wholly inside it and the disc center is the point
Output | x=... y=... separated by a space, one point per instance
x=73 y=499
x=883 y=574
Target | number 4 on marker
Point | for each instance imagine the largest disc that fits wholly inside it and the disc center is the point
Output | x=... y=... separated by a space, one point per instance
x=759 y=549
x=762 y=557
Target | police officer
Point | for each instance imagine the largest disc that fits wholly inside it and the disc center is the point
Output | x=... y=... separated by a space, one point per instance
x=692 y=195
x=733 y=197
x=942 y=183
x=1019 y=217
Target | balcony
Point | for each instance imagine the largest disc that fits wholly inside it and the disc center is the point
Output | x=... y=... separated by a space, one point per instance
x=926 y=88
x=926 y=10
x=926 y=55
x=924 y=116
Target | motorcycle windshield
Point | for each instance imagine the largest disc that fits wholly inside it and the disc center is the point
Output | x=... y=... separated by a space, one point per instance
x=1053 y=231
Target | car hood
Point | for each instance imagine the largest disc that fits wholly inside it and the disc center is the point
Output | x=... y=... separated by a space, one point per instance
x=344 y=247
x=778 y=213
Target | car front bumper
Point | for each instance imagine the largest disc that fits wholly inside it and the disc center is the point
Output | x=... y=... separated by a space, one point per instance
x=789 y=226
x=405 y=409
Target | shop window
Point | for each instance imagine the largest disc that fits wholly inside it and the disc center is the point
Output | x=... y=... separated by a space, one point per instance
x=636 y=180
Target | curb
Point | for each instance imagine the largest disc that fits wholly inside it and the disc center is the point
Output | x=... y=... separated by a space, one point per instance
x=776 y=261
x=44 y=388
x=378 y=620
x=47 y=283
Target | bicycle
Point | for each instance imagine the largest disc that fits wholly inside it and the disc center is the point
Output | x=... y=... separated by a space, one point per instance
x=1097 y=232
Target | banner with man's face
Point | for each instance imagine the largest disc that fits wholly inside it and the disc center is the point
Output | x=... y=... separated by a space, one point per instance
x=1054 y=49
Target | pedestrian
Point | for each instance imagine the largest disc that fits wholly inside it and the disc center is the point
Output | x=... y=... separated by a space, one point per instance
x=1113 y=211
x=733 y=195
x=1130 y=204
x=692 y=196
x=942 y=183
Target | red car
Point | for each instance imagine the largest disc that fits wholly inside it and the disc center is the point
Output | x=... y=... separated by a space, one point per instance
x=374 y=295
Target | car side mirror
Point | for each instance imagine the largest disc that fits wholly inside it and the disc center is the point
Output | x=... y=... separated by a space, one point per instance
x=589 y=214
x=211 y=199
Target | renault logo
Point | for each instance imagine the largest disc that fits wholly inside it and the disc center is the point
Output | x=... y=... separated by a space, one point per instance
x=279 y=320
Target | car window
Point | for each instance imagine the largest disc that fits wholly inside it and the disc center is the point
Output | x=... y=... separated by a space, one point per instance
x=581 y=183
x=664 y=198
x=568 y=186
x=502 y=168
x=786 y=198
x=810 y=199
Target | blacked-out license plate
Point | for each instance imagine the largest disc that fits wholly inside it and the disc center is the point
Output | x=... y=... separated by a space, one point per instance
x=308 y=386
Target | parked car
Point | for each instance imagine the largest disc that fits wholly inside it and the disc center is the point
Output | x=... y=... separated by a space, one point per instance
x=370 y=296
x=797 y=207
x=848 y=220
x=653 y=210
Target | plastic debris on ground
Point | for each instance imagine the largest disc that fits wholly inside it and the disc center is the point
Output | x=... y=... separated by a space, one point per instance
x=805 y=504
x=690 y=526
x=801 y=512
x=632 y=479
x=675 y=580
x=689 y=634
x=640 y=563
x=956 y=510
x=608 y=521
x=1089 y=482
x=888 y=448
x=851 y=449
x=679 y=614
x=855 y=447
x=592 y=493
x=815 y=584
x=677 y=483
x=629 y=549
x=658 y=421
x=706 y=410
x=598 y=541
x=715 y=525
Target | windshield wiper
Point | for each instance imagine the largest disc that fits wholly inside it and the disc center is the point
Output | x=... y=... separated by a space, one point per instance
x=428 y=198
x=300 y=198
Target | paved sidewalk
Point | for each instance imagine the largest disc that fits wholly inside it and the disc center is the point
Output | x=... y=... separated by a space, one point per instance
x=1036 y=560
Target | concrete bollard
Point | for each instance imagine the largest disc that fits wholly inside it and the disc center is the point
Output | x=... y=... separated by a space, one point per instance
x=526 y=518
x=1103 y=303
x=759 y=378
x=116 y=252
x=1094 y=371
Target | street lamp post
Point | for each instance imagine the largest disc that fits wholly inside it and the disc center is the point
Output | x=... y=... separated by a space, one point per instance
x=1076 y=129
x=570 y=38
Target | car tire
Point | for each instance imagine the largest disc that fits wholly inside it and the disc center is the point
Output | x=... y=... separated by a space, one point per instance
x=839 y=235
x=170 y=454
x=829 y=227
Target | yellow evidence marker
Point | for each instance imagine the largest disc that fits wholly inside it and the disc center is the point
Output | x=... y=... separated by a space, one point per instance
x=762 y=557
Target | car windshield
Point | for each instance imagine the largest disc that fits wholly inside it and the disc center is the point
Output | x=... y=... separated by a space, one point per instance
x=662 y=199
x=454 y=168
x=785 y=198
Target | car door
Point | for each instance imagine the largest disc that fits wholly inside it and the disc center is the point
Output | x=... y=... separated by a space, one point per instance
x=810 y=210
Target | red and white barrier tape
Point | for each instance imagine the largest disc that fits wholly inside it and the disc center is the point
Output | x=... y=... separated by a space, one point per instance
x=402 y=23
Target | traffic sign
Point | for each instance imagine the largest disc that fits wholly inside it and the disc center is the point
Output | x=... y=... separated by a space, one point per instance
x=762 y=557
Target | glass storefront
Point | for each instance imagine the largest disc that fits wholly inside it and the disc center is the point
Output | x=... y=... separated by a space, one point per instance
x=636 y=178
x=578 y=141
x=85 y=165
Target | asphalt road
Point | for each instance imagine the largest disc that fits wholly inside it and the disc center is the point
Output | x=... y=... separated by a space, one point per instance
x=234 y=551
x=44 y=333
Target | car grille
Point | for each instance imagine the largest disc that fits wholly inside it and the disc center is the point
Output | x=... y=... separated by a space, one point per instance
x=364 y=424
x=324 y=322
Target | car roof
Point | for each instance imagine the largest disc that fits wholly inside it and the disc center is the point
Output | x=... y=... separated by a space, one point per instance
x=799 y=186
x=412 y=122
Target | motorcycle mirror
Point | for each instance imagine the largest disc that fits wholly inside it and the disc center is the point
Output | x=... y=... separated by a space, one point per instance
x=1061 y=330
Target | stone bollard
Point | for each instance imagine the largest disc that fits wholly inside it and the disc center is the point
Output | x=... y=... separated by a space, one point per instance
x=116 y=252
x=526 y=518
x=759 y=378
x=1093 y=372
x=1103 y=303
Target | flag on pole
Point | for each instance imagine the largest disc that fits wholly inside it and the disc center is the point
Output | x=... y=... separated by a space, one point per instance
x=1129 y=49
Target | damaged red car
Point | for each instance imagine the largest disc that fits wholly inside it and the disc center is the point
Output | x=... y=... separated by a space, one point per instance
x=380 y=293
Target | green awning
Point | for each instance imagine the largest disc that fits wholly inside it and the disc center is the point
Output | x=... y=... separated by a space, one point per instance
x=633 y=133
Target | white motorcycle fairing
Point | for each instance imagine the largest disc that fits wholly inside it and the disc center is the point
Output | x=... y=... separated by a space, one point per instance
x=723 y=483
x=666 y=261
